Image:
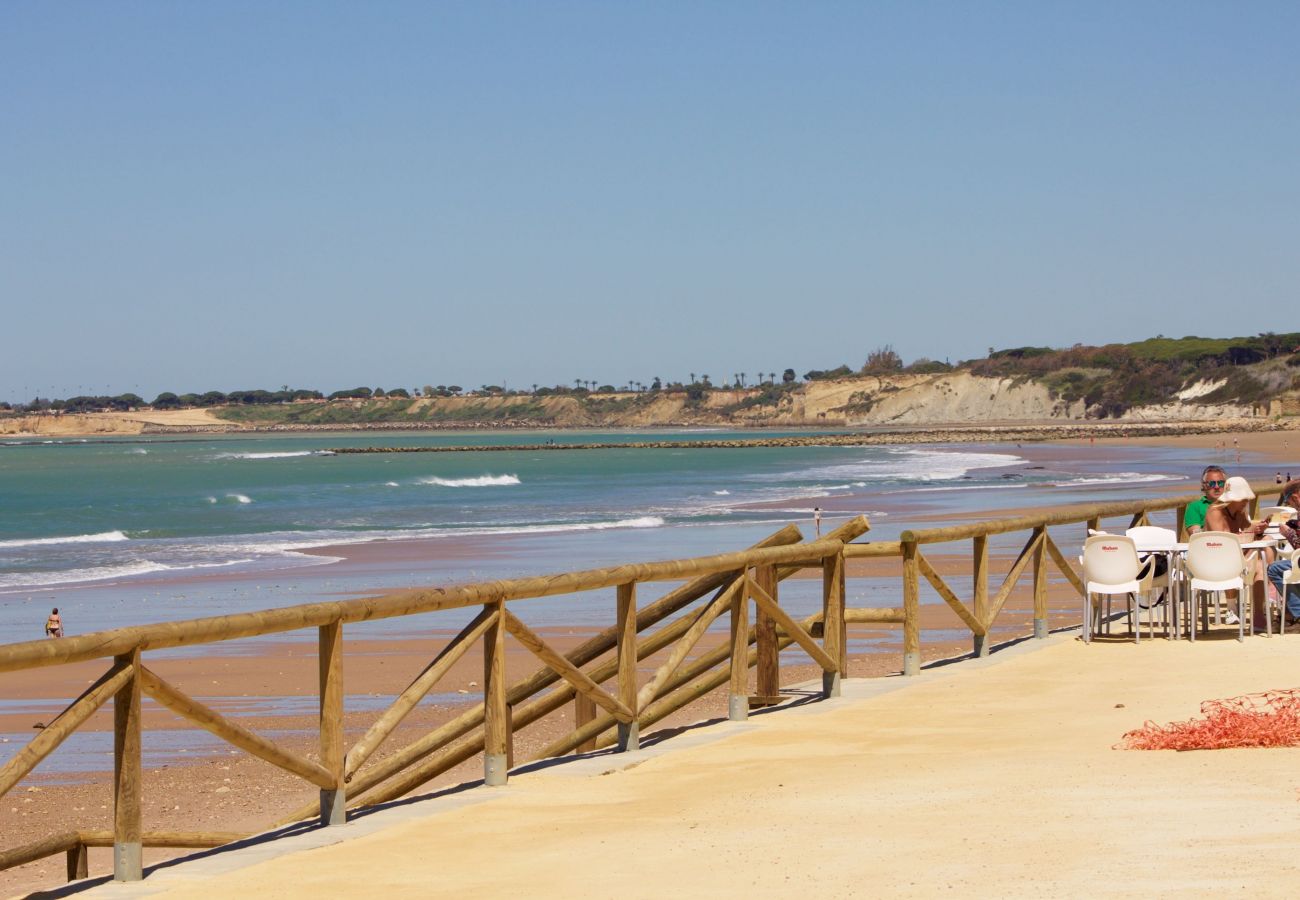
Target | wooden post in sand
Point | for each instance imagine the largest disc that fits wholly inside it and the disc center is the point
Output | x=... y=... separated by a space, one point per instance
x=1179 y=526
x=78 y=862
x=834 y=631
x=1040 y=583
x=333 y=803
x=128 y=858
x=738 y=701
x=980 y=575
x=911 y=610
x=768 y=676
x=584 y=711
x=496 y=715
x=629 y=733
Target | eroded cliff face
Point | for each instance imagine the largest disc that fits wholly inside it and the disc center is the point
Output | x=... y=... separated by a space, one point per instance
x=952 y=398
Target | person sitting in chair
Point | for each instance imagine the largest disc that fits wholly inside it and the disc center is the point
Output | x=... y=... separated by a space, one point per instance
x=1231 y=513
x=1290 y=532
x=1213 y=480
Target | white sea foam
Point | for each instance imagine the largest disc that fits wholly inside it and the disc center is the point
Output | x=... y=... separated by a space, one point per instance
x=722 y=493
x=479 y=481
x=1116 y=478
x=212 y=499
x=139 y=451
x=239 y=498
x=391 y=484
x=639 y=522
x=73 y=576
x=102 y=537
x=906 y=464
x=283 y=454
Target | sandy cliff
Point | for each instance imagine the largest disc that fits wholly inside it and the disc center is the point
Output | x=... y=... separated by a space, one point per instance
x=951 y=398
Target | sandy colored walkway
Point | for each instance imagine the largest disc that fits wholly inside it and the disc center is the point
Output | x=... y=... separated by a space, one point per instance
x=994 y=777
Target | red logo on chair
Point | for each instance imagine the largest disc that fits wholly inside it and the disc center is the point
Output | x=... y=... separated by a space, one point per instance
x=1109 y=548
x=1213 y=544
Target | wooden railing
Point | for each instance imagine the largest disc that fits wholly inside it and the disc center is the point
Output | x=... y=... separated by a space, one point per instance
x=720 y=585
x=981 y=610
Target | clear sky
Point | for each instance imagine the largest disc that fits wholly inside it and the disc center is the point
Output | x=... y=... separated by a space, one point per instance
x=216 y=196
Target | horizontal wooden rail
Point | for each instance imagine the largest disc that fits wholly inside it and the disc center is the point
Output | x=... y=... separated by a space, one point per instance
x=873 y=549
x=1064 y=515
x=864 y=616
x=71 y=841
x=95 y=645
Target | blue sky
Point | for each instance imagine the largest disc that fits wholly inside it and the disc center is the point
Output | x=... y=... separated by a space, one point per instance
x=241 y=195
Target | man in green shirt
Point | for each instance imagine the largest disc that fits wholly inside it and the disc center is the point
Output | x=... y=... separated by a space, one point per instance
x=1212 y=481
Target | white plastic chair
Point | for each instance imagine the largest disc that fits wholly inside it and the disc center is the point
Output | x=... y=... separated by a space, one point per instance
x=1110 y=567
x=1216 y=564
x=1160 y=541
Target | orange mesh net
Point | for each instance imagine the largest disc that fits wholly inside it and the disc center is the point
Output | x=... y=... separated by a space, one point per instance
x=1268 y=719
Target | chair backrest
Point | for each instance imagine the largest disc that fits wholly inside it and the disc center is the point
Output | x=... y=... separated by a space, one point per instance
x=1215 y=555
x=1295 y=559
x=1153 y=536
x=1275 y=515
x=1110 y=559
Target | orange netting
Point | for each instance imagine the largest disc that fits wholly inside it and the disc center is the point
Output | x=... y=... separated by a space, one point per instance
x=1268 y=719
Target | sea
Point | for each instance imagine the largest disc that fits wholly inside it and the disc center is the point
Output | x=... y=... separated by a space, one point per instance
x=130 y=530
x=135 y=530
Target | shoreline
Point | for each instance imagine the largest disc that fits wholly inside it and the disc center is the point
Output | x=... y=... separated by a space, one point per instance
x=861 y=435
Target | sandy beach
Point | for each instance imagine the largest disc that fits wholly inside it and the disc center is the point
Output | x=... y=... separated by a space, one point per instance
x=229 y=791
x=995 y=777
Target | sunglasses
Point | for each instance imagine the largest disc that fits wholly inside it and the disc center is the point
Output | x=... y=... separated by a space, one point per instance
x=1210 y=484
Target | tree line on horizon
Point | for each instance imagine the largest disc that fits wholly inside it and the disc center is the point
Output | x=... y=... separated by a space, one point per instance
x=1110 y=378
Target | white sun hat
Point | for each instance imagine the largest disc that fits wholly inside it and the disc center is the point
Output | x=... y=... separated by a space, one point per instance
x=1237 y=489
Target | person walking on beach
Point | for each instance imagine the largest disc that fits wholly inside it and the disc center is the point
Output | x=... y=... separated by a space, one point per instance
x=1213 y=480
x=54 y=624
x=817 y=519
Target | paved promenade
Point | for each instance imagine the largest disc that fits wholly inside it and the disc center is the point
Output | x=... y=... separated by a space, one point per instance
x=991 y=778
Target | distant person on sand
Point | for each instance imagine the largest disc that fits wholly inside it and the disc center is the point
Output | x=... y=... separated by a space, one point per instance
x=1213 y=480
x=817 y=519
x=54 y=624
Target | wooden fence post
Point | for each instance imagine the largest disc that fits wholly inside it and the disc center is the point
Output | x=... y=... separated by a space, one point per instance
x=584 y=710
x=834 y=632
x=333 y=803
x=78 y=862
x=1040 y=583
x=128 y=859
x=738 y=701
x=629 y=734
x=980 y=585
x=496 y=724
x=768 y=663
x=911 y=610
x=1179 y=527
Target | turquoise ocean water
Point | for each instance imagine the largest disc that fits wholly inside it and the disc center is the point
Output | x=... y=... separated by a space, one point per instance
x=212 y=524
